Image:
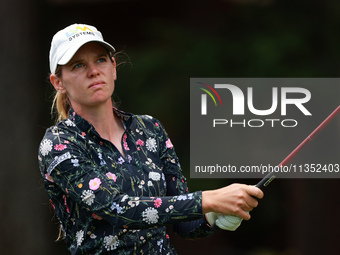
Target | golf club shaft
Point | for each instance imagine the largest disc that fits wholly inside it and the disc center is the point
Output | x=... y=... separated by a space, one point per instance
x=271 y=176
x=265 y=181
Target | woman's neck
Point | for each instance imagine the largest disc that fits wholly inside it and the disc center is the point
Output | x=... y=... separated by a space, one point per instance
x=107 y=124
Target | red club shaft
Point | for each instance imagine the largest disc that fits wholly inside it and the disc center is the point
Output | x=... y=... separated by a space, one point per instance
x=310 y=137
x=271 y=176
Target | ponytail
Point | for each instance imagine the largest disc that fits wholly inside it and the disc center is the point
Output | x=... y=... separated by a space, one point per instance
x=62 y=105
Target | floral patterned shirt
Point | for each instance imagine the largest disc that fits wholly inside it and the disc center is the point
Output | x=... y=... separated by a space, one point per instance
x=108 y=203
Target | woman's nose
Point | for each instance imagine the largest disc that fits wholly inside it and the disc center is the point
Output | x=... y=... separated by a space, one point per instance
x=92 y=70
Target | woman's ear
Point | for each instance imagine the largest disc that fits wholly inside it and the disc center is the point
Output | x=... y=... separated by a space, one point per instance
x=113 y=62
x=114 y=68
x=57 y=83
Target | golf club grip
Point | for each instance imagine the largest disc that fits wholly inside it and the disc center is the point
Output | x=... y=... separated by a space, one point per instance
x=261 y=184
x=265 y=181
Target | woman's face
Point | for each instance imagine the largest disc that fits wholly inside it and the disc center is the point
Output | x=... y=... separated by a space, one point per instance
x=88 y=78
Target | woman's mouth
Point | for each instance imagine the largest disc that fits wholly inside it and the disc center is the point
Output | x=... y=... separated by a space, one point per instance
x=96 y=84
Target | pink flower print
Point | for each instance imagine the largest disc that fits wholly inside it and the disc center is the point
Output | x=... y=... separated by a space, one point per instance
x=95 y=216
x=83 y=134
x=95 y=183
x=158 y=202
x=140 y=142
x=126 y=147
x=48 y=177
x=60 y=147
x=156 y=124
x=168 y=144
x=111 y=176
x=65 y=202
x=52 y=204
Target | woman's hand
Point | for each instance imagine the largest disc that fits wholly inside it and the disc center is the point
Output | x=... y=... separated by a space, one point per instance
x=235 y=199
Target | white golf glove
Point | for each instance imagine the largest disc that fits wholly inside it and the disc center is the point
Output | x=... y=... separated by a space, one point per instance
x=211 y=217
x=228 y=222
x=225 y=222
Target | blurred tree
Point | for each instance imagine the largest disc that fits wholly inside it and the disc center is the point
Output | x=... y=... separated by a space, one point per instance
x=23 y=221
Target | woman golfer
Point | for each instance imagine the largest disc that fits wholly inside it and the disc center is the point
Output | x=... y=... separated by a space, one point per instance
x=113 y=178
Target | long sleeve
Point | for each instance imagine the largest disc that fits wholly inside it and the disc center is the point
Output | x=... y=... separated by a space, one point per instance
x=195 y=229
x=177 y=186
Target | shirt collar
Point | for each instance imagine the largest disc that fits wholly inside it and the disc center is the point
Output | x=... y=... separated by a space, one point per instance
x=86 y=126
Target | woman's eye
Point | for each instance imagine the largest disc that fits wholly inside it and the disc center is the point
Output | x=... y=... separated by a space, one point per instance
x=77 y=66
x=102 y=60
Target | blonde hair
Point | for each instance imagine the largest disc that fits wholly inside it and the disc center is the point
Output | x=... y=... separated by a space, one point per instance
x=61 y=102
x=63 y=106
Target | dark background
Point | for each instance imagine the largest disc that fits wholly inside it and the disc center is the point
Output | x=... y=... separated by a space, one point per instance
x=166 y=44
